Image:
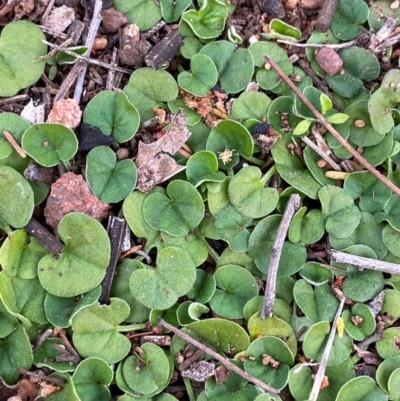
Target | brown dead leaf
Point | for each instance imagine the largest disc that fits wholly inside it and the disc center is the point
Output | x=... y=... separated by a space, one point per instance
x=155 y=166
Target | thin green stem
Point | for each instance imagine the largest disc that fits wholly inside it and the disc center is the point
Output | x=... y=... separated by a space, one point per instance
x=268 y=175
x=255 y=160
x=211 y=251
x=189 y=389
x=131 y=327
x=66 y=164
x=6 y=228
x=230 y=172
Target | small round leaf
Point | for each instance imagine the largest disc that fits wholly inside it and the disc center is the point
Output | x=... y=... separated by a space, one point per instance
x=50 y=143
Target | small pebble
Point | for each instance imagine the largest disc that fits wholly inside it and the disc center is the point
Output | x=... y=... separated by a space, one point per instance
x=329 y=60
x=122 y=153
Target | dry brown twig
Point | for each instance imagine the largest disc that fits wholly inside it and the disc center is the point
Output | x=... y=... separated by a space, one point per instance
x=332 y=130
x=225 y=361
x=270 y=287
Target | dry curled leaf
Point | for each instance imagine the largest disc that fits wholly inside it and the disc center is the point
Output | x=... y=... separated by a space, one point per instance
x=154 y=164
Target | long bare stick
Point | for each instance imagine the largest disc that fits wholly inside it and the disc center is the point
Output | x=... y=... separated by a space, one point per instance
x=110 y=66
x=270 y=287
x=93 y=28
x=316 y=45
x=332 y=130
x=324 y=360
x=318 y=150
x=364 y=263
x=218 y=357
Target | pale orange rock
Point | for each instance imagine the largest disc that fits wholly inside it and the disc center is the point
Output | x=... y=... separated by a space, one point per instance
x=67 y=112
x=71 y=193
x=100 y=44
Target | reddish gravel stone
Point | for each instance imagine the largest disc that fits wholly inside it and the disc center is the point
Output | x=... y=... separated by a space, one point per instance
x=71 y=193
x=329 y=60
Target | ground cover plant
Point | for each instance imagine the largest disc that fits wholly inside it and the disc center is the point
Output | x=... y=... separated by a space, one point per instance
x=199 y=200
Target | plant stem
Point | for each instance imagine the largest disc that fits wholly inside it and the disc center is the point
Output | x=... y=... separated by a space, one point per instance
x=211 y=250
x=254 y=160
x=324 y=360
x=131 y=327
x=189 y=389
x=316 y=45
x=225 y=361
x=268 y=175
x=270 y=286
x=364 y=263
x=91 y=36
x=332 y=130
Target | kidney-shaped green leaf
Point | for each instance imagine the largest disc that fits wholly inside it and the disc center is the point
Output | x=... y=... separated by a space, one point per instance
x=50 y=143
x=160 y=288
x=92 y=378
x=235 y=286
x=203 y=167
x=225 y=336
x=148 y=88
x=318 y=303
x=268 y=358
x=15 y=353
x=177 y=213
x=362 y=388
x=16 y=199
x=342 y=216
x=82 y=264
x=315 y=341
x=95 y=331
x=202 y=78
x=110 y=180
x=20 y=47
x=248 y=194
x=144 y=13
x=235 y=65
x=114 y=114
x=148 y=372
x=227 y=140
x=20 y=255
